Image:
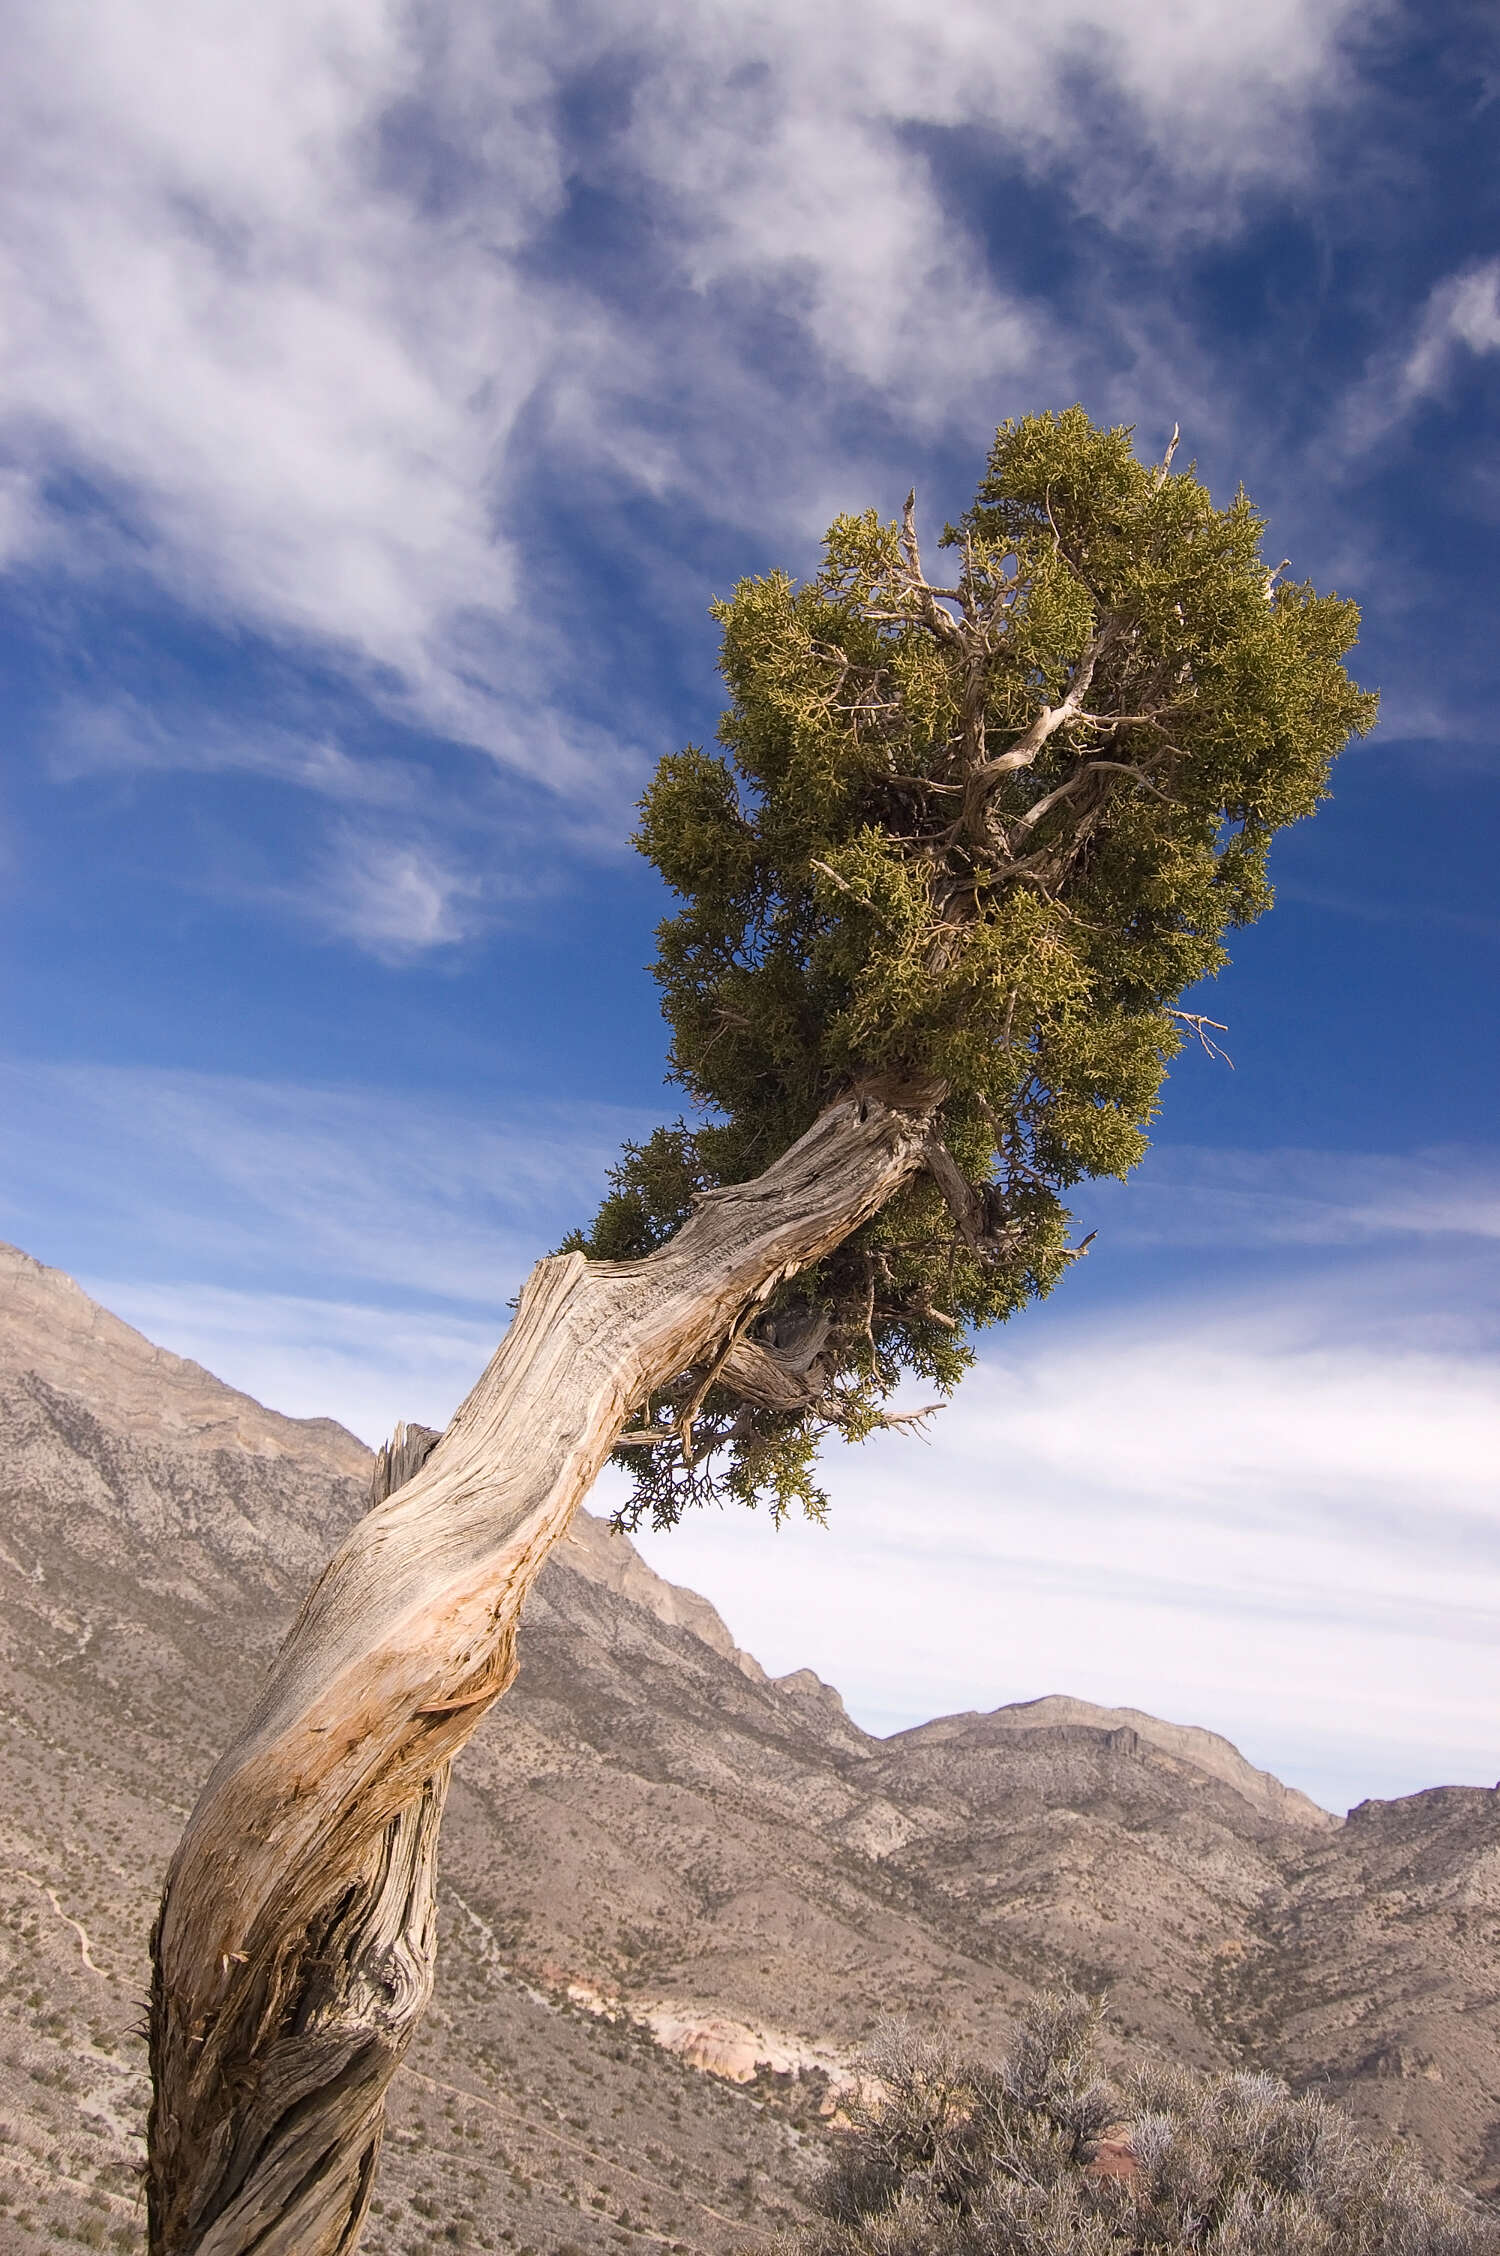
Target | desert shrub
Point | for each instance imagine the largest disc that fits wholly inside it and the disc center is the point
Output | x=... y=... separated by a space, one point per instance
x=1039 y=2155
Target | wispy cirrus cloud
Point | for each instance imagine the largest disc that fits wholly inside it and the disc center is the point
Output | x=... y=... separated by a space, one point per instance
x=347 y=1191
x=123 y=735
x=397 y=898
x=1197 y=1198
x=1460 y=321
x=303 y=295
x=1462 y=315
x=399 y=851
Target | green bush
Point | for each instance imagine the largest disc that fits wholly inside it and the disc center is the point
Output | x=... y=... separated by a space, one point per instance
x=1041 y=2156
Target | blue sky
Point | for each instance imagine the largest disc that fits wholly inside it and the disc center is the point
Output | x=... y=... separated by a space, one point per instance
x=385 y=392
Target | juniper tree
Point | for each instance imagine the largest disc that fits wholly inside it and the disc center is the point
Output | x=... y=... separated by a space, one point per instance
x=978 y=838
x=966 y=845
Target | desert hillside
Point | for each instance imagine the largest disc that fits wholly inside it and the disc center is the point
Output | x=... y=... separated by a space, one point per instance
x=657 y=1861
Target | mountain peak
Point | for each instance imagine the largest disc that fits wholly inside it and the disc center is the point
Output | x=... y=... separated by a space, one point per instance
x=50 y=1326
x=1188 y=1742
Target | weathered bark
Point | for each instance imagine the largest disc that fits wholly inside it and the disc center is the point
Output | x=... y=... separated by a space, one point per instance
x=293 y=1954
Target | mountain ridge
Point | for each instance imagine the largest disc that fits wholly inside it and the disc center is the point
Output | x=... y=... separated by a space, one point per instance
x=657 y=1857
x=1208 y=1750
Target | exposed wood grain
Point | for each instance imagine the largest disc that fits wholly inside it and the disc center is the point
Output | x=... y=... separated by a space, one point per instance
x=293 y=1953
x=400 y=1459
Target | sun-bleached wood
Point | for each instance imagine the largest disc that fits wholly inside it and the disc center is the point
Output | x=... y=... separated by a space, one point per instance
x=294 y=1949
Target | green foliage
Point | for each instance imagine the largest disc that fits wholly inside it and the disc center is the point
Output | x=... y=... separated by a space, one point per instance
x=1040 y=2156
x=986 y=834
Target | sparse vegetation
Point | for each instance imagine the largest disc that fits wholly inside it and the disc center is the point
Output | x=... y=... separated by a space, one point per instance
x=1041 y=2155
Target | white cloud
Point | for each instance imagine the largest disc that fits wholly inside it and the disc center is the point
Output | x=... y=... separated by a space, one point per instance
x=22 y=519
x=1234 y=1515
x=279 y=293
x=792 y=146
x=219 y=314
x=1462 y=315
x=124 y=735
x=399 y=855
x=1184 y=1196
x=1461 y=318
x=357 y=1192
x=394 y=899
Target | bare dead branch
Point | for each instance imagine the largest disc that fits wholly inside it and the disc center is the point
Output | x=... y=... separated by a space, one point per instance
x=1076 y=783
x=959 y=1195
x=909 y=536
x=894 y=1421
x=1199 y=1025
x=695 y=1404
x=1024 y=752
x=842 y=883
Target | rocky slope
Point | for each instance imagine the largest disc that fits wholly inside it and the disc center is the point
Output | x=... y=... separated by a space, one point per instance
x=656 y=1859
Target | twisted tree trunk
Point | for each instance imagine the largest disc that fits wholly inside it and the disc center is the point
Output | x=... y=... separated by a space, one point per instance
x=293 y=1953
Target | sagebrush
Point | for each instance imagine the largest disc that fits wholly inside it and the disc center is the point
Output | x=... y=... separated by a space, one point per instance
x=1042 y=2155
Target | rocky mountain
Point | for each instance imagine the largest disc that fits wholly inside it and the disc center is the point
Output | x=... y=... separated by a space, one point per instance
x=657 y=1860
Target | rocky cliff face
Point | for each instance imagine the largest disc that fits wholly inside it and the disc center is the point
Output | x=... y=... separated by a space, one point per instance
x=656 y=1861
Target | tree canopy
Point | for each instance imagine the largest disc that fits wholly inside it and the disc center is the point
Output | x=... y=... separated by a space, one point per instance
x=978 y=835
